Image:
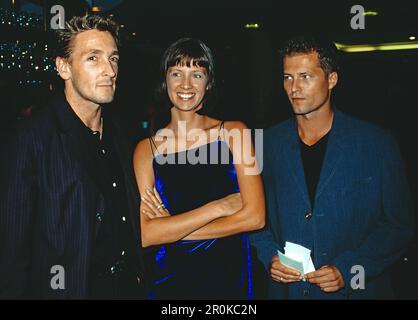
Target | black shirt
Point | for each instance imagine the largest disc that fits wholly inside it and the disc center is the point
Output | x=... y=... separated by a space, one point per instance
x=112 y=272
x=312 y=158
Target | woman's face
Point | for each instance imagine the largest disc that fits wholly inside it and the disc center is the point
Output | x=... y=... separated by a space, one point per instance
x=186 y=86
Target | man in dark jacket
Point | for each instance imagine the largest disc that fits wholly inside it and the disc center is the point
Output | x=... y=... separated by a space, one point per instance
x=69 y=201
x=335 y=185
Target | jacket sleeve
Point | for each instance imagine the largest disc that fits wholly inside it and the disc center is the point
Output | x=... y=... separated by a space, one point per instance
x=16 y=215
x=263 y=240
x=266 y=246
x=395 y=228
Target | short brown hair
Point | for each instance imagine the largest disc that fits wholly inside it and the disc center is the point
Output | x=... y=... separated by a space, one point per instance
x=78 y=24
x=326 y=50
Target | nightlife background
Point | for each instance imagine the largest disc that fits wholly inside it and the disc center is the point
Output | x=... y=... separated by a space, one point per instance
x=377 y=86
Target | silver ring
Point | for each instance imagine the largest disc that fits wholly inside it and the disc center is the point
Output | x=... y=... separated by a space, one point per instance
x=159 y=207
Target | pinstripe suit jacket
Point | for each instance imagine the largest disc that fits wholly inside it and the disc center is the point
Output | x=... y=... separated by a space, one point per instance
x=48 y=205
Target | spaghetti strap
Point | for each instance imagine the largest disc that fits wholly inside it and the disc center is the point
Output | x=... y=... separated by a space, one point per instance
x=221 y=127
x=152 y=145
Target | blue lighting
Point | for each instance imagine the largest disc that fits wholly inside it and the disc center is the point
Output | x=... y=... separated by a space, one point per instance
x=20 y=20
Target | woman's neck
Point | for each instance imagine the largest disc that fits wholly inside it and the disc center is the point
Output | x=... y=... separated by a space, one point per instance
x=182 y=123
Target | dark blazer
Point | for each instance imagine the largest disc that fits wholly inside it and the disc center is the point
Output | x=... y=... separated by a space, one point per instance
x=363 y=211
x=48 y=207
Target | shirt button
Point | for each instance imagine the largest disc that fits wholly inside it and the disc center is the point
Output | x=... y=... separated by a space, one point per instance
x=114 y=184
x=305 y=293
x=308 y=215
x=99 y=217
x=103 y=151
x=124 y=219
x=123 y=253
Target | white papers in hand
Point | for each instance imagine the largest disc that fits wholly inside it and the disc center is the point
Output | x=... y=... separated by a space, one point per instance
x=297 y=257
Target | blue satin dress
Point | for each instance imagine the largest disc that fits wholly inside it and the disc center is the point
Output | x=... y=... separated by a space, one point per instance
x=218 y=268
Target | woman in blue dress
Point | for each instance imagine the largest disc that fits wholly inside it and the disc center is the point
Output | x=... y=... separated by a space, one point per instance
x=200 y=194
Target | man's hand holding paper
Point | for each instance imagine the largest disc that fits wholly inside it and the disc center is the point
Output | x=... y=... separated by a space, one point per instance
x=328 y=278
x=292 y=265
x=281 y=273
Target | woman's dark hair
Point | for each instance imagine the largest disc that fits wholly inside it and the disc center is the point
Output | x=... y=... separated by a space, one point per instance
x=184 y=51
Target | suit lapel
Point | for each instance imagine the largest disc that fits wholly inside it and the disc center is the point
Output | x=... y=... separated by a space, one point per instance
x=67 y=122
x=294 y=162
x=333 y=153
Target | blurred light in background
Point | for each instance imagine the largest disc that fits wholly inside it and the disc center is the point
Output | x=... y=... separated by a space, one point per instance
x=370 y=13
x=352 y=48
x=252 y=26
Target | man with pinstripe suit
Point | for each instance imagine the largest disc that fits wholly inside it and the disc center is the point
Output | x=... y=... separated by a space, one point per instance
x=69 y=204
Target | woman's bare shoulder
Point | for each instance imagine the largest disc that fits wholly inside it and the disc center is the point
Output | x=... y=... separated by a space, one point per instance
x=229 y=125
x=143 y=149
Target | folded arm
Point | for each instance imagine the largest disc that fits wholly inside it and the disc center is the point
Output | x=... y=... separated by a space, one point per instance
x=166 y=228
x=252 y=214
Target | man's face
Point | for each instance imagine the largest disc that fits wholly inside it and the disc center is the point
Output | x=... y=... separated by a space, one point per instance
x=306 y=84
x=92 y=68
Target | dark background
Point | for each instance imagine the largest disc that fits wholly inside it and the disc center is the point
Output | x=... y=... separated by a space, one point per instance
x=380 y=87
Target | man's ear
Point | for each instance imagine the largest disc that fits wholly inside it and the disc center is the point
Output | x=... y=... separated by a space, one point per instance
x=63 y=68
x=332 y=80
